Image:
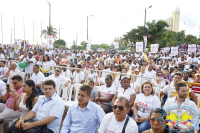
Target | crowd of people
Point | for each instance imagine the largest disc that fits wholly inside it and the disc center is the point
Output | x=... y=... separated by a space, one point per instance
x=124 y=101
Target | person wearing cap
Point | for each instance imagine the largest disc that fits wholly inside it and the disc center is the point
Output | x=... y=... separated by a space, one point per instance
x=196 y=88
x=30 y=61
x=182 y=61
x=111 y=58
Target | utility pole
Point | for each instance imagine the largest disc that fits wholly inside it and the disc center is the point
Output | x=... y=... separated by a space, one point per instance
x=24 y=28
x=33 y=31
x=2 y=29
x=11 y=37
x=49 y=15
x=14 y=27
x=41 y=33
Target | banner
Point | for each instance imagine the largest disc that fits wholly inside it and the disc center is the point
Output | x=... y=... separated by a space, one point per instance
x=116 y=44
x=174 y=51
x=154 y=48
x=145 y=41
x=50 y=41
x=88 y=46
x=192 y=48
x=165 y=50
x=139 y=46
x=17 y=43
x=44 y=45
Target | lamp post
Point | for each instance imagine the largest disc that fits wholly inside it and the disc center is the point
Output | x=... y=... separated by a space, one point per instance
x=49 y=15
x=145 y=24
x=77 y=38
x=87 y=25
x=59 y=32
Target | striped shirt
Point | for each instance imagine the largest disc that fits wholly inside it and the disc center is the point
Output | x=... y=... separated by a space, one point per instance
x=195 y=88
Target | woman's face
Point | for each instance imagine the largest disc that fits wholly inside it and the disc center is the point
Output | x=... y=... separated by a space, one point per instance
x=159 y=75
x=26 y=88
x=147 y=89
x=108 y=81
x=193 y=73
x=156 y=126
x=126 y=83
x=45 y=57
x=123 y=70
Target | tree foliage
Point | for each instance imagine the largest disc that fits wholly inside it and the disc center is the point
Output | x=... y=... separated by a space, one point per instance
x=49 y=31
x=58 y=43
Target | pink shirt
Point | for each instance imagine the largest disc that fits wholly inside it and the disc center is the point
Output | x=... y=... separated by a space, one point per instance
x=64 y=61
x=10 y=101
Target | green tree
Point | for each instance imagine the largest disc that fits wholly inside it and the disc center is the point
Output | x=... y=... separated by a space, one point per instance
x=180 y=36
x=83 y=45
x=190 y=39
x=169 y=36
x=49 y=31
x=58 y=43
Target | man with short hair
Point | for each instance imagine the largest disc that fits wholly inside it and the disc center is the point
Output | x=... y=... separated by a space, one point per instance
x=47 y=111
x=83 y=116
x=3 y=69
x=37 y=77
x=186 y=77
x=177 y=78
x=78 y=76
x=14 y=71
x=182 y=101
x=14 y=90
x=115 y=121
x=1 y=55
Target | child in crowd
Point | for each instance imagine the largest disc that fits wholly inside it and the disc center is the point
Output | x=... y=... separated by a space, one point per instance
x=93 y=91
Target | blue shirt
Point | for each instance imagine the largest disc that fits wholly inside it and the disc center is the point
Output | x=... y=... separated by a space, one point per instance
x=53 y=106
x=83 y=120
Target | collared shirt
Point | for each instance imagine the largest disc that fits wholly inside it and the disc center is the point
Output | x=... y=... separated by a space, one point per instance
x=29 y=68
x=78 y=76
x=57 y=80
x=37 y=78
x=83 y=120
x=49 y=107
x=13 y=73
x=188 y=103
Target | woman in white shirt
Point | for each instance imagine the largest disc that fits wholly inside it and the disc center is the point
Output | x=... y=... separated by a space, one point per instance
x=91 y=73
x=105 y=95
x=46 y=65
x=26 y=101
x=99 y=79
x=157 y=82
x=144 y=103
x=126 y=91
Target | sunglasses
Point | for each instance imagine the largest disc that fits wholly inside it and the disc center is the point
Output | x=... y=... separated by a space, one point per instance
x=57 y=70
x=156 y=119
x=159 y=75
x=119 y=107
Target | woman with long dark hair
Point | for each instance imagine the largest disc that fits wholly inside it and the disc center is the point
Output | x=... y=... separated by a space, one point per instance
x=26 y=101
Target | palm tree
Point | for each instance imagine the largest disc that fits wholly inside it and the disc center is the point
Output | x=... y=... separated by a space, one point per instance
x=49 y=31
x=168 y=37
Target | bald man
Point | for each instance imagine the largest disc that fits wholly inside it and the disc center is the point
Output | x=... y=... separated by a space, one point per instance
x=14 y=71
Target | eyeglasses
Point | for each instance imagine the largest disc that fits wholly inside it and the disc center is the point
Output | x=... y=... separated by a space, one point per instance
x=119 y=107
x=156 y=119
x=57 y=70
x=14 y=83
x=159 y=75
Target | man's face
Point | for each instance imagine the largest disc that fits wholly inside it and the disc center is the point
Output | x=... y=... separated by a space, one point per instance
x=49 y=90
x=176 y=78
x=30 y=55
x=183 y=91
x=13 y=66
x=17 y=84
x=150 y=67
x=120 y=114
x=57 y=71
x=185 y=75
x=83 y=98
x=35 y=69
x=182 y=58
x=197 y=79
x=192 y=55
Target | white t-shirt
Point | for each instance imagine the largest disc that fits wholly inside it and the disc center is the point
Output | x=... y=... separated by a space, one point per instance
x=100 y=80
x=2 y=88
x=37 y=78
x=3 y=71
x=155 y=84
x=29 y=68
x=110 y=125
x=192 y=60
x=1 y=56
x=46 y=65
x=106 y=91
x=78 y=76
x=127 y=93
x=146 y=104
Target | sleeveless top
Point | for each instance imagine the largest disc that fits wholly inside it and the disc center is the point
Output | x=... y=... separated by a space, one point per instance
x=22 y=106
x=11 y=54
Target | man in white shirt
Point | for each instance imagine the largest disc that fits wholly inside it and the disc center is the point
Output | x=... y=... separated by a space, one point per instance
x=37 y=77
x=31 y=61
x=183 y=105
x=192 y=60
x=2 y=91
x=150 y=72
x=1 y=55
x=176 y=79
x=115 y=121
x=78 y=76
x=14 y=71
x=57 y=78
x=3 y=69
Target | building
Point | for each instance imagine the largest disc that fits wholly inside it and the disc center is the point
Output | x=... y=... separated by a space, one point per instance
x=174 y=21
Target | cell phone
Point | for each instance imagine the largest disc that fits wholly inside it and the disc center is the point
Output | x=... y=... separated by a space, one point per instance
x=7 y=86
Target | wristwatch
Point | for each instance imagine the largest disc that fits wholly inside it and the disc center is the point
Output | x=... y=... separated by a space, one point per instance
x=13 y=90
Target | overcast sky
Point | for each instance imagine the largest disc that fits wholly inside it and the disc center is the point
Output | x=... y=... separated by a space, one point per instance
x=112 y=18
